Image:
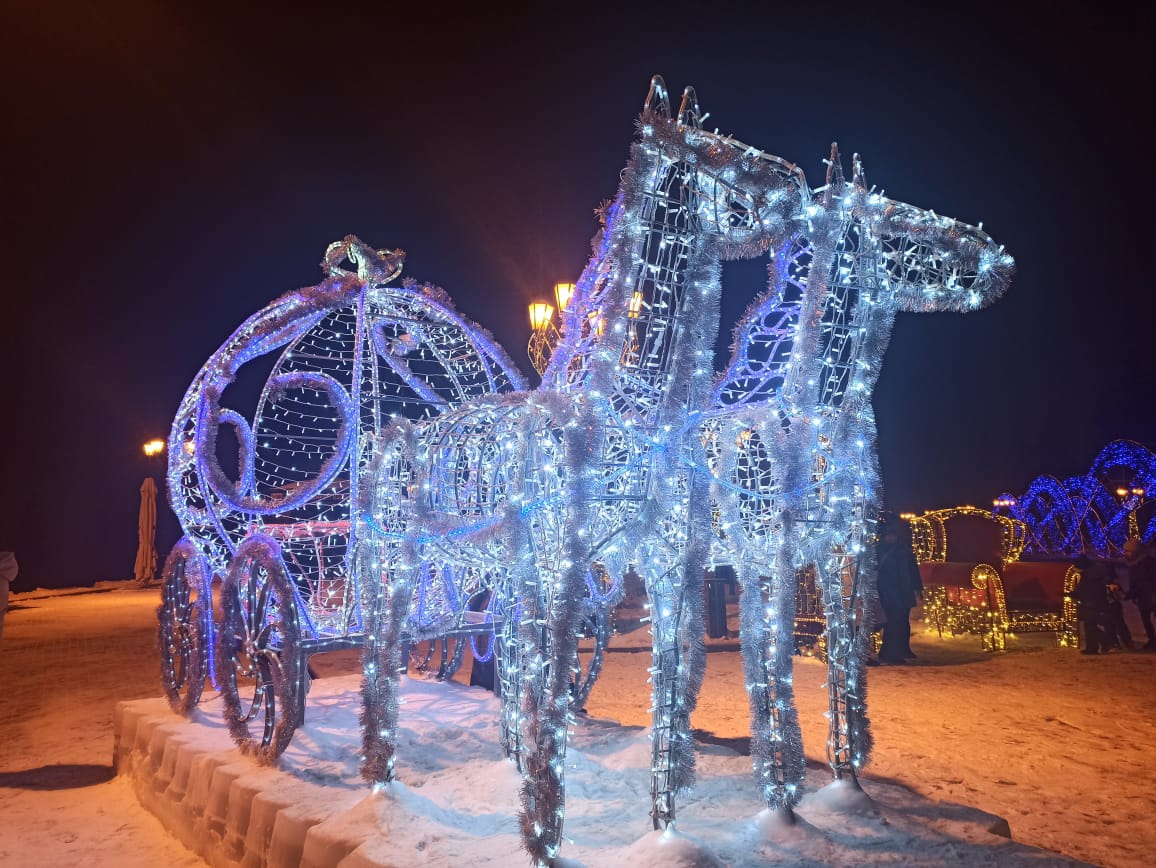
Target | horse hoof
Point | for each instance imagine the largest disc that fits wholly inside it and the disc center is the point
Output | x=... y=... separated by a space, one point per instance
x=843 y=796
x=780 y=825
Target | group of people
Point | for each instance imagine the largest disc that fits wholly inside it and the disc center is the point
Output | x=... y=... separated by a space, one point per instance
x=1100 y=598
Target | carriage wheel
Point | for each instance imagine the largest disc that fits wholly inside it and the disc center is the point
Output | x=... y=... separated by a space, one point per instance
x=421 y=656
x=451 y=663
x=184 y=628
x=262 y=667
x=597 y=624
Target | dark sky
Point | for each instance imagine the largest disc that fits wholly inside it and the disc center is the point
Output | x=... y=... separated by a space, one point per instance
x=172 y=167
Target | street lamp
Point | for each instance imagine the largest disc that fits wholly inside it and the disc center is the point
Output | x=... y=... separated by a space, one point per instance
x=543 y=334
x=1131 y=498
x=563 y=292
x=541 y=316
x=145 y=568
x=545 y=331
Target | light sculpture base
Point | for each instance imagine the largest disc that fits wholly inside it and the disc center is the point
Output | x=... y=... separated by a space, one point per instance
x=312 y=810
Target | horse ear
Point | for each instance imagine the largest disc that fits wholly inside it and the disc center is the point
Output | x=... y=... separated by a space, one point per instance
x=834 y=166
x=688 y=113
x=858 y=176
x=657 y=100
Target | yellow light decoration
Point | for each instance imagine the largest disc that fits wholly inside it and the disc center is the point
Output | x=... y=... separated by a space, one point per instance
x=929 y=534
x=154 y=447
x=635 y=305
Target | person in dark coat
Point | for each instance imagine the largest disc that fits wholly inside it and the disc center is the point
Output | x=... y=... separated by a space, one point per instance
x=1091 y=596
x=1141 y=560
x=1116 y=632
x=899 y=584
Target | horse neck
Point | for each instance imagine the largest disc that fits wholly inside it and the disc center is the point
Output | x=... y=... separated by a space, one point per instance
x=844 y=324
x=647 y=310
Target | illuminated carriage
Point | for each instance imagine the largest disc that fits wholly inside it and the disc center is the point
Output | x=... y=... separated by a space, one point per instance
x=339 y=361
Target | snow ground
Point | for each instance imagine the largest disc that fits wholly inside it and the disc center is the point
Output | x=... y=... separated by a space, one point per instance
x=1057 y=743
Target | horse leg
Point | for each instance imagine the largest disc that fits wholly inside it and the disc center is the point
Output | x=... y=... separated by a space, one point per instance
x=385 y=601
x=672 y=754
x=849 y=737
x=509 y=670
x=691 y=624
x=549 y=632
x=767 y=627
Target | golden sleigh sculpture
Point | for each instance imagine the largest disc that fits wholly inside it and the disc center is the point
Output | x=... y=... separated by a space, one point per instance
x=975 y=582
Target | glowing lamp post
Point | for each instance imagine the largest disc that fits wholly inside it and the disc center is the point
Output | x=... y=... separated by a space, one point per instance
x=145 y=568
x=544 y=335
x=1131 y=498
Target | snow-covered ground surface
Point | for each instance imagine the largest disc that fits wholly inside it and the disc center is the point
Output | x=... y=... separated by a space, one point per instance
x=1057 y=743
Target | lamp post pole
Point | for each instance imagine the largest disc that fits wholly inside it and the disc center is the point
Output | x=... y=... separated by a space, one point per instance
x=1132 y=498
x=145 y=569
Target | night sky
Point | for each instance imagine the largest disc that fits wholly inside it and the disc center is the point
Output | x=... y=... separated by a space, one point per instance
x=171 y=168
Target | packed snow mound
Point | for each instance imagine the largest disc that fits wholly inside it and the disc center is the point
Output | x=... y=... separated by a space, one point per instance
x=668 y=849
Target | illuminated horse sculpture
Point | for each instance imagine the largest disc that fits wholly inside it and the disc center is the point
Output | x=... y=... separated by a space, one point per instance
x=530 y=489
x=792 y=442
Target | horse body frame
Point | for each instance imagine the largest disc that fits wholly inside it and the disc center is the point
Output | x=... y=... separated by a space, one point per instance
x=869 y=257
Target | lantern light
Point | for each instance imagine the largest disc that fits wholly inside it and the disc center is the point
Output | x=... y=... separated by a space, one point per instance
x=154 y=448
x=563 y=292
x=540 y=315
